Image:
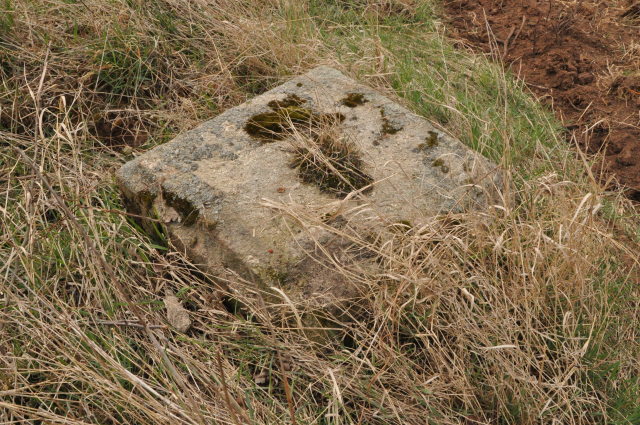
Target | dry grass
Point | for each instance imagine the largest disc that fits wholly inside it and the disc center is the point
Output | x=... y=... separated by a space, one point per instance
x=526 y=313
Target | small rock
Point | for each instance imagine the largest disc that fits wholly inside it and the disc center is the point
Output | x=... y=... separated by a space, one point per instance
x=177 y=315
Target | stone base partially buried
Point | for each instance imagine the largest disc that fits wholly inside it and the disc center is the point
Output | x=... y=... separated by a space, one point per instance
x=265 y=188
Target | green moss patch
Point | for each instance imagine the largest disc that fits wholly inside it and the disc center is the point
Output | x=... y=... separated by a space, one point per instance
x=440 y=163
x=287 y=102
x=431 y=140
x=387 y=126
x=272 y=126
x=287 y=115
x=354 y=99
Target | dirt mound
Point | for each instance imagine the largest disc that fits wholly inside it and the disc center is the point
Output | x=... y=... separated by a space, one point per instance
x=582 y=57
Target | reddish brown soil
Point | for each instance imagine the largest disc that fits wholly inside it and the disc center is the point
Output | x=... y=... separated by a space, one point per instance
x=580 y=56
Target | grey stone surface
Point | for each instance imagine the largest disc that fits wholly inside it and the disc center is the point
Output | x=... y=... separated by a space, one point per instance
x=213 y=185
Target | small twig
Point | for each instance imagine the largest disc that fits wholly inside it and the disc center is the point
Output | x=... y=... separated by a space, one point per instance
x=506 y=41
x=285 y=381
x=128 y=323
x=632 y=12
x=36 y=97
x=124 y=213
x=87 y=7
x=287 y=389
x=225 y=389
x=515 y=37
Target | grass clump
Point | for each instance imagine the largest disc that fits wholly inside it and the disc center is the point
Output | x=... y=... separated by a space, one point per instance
x=524 y=313
x=329 y=160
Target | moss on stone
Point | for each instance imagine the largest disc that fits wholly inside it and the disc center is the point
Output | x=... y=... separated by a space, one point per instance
x=387 y=126
x=432 y=139
x=354 y=99
x=440 y=163
x=290 y=100
x=272 y=126
x=287 y=115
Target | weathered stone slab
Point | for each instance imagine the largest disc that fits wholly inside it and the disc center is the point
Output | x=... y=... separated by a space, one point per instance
x=213 y=185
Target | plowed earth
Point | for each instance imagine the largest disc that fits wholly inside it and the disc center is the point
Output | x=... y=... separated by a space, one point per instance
x=582 y=57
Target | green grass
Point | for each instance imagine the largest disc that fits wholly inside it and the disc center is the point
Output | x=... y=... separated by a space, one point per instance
x=486 y=108
x=6 y=21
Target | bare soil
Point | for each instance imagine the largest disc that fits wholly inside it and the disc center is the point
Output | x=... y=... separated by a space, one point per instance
x=582 y=57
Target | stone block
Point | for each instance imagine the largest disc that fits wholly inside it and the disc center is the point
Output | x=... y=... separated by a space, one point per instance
x=321 y=143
